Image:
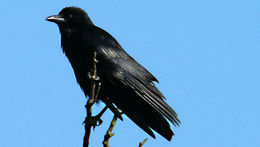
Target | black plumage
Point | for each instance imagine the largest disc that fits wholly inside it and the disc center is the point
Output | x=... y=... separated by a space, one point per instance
x=125 y=83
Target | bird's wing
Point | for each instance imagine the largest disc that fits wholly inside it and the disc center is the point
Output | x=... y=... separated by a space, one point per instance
x=134 y=91
x=131 y=74
x=130 y=77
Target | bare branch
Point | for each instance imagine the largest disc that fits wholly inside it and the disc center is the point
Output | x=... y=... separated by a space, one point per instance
x=92 y=98
x=142 y=143
x=109 y=133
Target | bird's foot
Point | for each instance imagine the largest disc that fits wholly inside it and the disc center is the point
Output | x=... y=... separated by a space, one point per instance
x=93 y=121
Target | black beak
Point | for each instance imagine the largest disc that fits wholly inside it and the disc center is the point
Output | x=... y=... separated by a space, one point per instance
x=55 y=18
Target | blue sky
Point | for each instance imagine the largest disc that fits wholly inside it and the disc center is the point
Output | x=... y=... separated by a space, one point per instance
x=204 y=53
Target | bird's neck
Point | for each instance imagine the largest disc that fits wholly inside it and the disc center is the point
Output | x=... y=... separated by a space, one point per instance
x=67 y=32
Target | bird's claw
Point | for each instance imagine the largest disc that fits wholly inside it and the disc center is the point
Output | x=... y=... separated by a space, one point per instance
x=93 y=121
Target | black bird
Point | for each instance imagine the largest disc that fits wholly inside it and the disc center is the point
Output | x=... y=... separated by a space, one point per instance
x=125 y=83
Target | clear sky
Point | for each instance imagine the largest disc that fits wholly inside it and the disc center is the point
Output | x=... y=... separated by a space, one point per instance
x=204 y=53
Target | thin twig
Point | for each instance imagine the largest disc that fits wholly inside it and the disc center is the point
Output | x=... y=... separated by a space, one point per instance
x=98 y=119
x=109 y=133
x=88 y=123
x=142 y=143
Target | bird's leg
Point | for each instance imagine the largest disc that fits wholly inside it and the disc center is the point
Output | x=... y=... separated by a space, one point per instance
x=113 y=108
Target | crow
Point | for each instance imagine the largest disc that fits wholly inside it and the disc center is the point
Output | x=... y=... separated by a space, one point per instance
x=125 y=83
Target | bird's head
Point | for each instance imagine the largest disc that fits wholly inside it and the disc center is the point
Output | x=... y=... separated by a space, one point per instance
x=71 y=17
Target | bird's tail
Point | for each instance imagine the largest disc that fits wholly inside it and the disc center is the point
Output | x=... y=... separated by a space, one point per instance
x=144 y=115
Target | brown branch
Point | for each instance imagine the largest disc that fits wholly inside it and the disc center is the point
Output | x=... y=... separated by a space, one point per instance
x=109 y=133
x=142 y=143
x=92 y=98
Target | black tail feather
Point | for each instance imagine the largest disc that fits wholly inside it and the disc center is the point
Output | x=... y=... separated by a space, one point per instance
x=145 y=116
